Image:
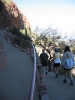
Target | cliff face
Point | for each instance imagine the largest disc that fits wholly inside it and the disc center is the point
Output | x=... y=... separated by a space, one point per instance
x=4 y=16
x=10 y=15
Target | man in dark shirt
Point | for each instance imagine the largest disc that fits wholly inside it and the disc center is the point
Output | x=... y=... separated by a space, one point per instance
x=44 y=59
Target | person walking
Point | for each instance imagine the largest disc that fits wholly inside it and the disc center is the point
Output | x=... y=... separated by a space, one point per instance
x=50 y=63
x=57 y=61
x=44 y=60
x=68 y=64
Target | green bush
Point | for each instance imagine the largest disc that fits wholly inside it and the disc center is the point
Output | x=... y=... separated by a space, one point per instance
x=61 y=70
x=18 y=34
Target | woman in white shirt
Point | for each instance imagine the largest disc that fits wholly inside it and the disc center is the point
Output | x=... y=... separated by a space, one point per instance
x=57 y=61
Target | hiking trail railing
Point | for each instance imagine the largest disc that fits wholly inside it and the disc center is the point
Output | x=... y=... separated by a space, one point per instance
x=29 y=48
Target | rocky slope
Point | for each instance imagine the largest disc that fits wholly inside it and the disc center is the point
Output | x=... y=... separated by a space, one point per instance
x=10 y=15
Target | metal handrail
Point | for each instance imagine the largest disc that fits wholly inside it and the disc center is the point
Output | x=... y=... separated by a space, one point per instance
x=31 y=93
x=33 y=77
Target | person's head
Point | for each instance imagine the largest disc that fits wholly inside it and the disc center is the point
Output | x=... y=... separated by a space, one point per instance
x=56 y=49
x=67 y=48
x=43 y=50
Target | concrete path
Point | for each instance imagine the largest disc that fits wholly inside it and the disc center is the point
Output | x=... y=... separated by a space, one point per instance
x=57 y=90
x=15 y=80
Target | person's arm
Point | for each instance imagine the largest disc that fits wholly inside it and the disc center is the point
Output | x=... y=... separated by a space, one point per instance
x=63 y=60
x=73 y=59
x=51 y=57
x=40 y=58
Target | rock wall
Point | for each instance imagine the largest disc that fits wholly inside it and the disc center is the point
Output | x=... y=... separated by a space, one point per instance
x=4 y=16
x=10 y=15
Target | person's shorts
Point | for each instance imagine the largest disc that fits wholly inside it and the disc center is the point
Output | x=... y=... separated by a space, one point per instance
x=56 y=65
x=68 y=69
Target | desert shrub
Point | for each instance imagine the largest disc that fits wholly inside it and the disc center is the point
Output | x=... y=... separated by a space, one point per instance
x=61 y=70
x=19 y=35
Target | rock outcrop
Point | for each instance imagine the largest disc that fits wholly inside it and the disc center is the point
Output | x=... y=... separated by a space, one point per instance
x=11 y=16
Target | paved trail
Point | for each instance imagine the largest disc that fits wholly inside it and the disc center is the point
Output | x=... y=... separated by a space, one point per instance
x=15 y=80
x=57 y=90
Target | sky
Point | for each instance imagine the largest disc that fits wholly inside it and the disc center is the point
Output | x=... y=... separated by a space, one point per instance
x=45 y=13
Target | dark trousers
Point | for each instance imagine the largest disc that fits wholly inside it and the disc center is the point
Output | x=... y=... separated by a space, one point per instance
x=49 y=66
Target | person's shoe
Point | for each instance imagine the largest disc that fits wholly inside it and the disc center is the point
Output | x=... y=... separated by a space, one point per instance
x=65 y=81
x=46 y=73
x=56 y=75
x=71 y=83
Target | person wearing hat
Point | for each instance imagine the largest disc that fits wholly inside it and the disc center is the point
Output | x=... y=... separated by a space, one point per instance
x=57 y=61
